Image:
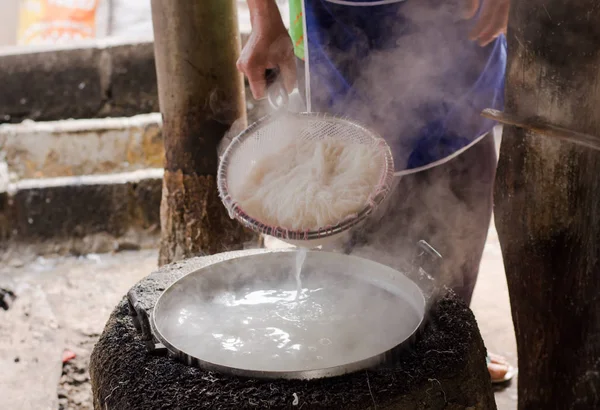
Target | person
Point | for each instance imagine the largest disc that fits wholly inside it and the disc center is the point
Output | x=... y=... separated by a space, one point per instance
x=419 y=72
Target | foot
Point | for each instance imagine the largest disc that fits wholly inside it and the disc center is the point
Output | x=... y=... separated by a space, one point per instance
x=499 y=369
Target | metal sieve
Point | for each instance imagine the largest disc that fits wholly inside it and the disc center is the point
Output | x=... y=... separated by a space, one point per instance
x=269 y=135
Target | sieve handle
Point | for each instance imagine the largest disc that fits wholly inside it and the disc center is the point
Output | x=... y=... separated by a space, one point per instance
x=276 y=92
x=428 y=258
x=428 y=262
x=271 y=76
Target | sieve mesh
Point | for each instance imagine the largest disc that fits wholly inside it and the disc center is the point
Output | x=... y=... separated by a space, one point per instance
x=268 y=136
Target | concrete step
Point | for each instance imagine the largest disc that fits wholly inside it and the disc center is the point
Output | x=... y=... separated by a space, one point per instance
x=83 y=186
x=85 y=177
x=82 y=147
x=90 y=79
x=81 y=214
x=72 y=147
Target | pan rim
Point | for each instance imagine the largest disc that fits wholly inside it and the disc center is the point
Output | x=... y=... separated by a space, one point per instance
x=338 y=370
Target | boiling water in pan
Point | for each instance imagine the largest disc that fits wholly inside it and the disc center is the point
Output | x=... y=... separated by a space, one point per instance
x=328 y=320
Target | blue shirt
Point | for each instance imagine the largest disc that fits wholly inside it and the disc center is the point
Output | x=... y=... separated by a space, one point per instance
x=406 y=69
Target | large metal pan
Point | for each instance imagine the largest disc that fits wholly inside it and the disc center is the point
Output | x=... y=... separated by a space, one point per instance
x=184 y=318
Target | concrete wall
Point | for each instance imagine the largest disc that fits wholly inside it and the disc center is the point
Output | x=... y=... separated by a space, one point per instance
x=9 y=19
x=90 y=80
x=133 y=17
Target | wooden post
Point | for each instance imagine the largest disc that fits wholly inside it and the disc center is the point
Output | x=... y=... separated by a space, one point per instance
x=548 y=203
x=201 y=95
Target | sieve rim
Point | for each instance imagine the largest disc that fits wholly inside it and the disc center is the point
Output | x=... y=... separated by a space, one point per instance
x=380 y=192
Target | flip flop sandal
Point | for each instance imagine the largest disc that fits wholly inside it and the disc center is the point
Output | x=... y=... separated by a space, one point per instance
x=510 y=373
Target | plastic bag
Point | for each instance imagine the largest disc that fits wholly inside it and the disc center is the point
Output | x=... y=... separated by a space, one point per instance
x=58 y=21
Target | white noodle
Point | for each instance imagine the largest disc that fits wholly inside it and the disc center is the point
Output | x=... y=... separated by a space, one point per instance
x=309 y=185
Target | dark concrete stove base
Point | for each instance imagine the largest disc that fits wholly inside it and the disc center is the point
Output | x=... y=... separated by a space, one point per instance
x=445 y=369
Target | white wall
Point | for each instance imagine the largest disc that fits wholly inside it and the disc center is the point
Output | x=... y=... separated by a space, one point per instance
x=133 y=17
x=9 y=19
x=130 y=18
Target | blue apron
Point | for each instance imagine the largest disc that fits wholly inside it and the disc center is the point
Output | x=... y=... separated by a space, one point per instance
x=406 y=69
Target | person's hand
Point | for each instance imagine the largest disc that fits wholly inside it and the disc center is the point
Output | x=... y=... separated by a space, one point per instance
x=268 y=47
x=492 y=21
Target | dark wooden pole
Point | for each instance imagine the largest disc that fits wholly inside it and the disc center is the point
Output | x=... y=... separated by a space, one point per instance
x=548 y=202
x=201 y=95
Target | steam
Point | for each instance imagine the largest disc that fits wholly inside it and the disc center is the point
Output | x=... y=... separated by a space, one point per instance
x=448 y=206
x=414 y=71
x=398 y=86
x=246 y=313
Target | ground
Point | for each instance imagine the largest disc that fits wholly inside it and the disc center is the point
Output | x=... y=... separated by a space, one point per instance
x=62 y=304
x=492 y=310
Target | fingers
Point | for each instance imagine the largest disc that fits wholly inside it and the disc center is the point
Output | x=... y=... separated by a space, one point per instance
x=497 y=371
x=471 y=8
x=282 y=56
x=484 y=22
x=261 y=53
x=497 y=26
x=258 y=83
x=492 y=21
x=253 y=66
x=497 y=359
x=256 y=77
x=288 y=73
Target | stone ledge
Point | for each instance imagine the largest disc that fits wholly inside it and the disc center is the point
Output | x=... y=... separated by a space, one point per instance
x=94 y=79
x=56 y=84
x=91 y=80
x=80 y=147
x=89 y=214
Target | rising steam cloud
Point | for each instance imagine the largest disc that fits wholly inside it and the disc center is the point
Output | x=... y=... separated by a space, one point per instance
x=450 y=205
